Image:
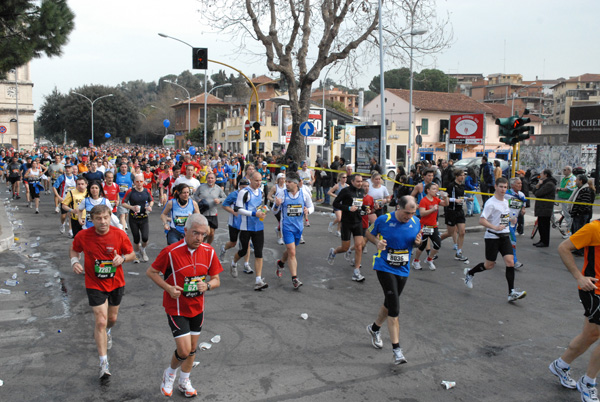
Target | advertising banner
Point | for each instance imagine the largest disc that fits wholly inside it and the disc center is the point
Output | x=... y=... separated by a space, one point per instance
x=315 y=115
x=467 y=129
x=367 y=146
x=584 y=125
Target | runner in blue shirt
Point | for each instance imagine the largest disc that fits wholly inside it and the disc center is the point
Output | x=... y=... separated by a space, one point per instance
x=294 y=205
x=234 y=223
x=394 y=234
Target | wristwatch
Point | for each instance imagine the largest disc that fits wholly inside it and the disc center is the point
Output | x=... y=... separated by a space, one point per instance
x=207 y=286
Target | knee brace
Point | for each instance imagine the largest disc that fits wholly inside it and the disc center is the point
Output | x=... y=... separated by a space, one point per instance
x=181 y=359
x=193 y=352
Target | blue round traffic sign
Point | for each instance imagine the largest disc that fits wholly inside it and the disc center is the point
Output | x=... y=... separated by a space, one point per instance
x=307 y=129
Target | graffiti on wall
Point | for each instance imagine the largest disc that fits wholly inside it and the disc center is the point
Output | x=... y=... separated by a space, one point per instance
x=556 y=157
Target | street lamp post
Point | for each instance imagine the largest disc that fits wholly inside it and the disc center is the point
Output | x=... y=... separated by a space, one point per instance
x=205 y=105
x=92 y=104
x=189 y=103
x=412 y=33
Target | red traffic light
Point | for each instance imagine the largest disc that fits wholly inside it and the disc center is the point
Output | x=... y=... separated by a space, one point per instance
x=200 y=58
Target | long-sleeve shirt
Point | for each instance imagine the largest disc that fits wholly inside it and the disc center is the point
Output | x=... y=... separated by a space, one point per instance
x=209 y=194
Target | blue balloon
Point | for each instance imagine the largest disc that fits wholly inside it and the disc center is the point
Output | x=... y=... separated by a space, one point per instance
x=192 y=150
x=166 y=123
x=177 y=157
x=107 y=135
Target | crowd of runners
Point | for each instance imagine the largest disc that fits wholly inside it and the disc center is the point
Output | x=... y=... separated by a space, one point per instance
x=103 y=198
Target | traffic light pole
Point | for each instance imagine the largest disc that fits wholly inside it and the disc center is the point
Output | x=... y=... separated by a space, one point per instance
x=514 y=161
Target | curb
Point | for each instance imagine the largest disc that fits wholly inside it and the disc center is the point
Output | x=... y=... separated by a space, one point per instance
x=7 y=236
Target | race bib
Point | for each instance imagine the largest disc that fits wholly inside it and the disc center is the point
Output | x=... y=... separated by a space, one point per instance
x=306 y=181
x=504 y=219
x=428 y=230
x=397 y=258
x=123 y=188
x=294 y=210
x=104 y=269
x=357 y=202
x=180 y=220
x=113 y=203
x=515 y=203
x=190 y=286
x=70 y=189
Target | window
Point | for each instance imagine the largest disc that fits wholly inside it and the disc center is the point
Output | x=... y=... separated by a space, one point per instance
x=262 y=88
x=424 y=126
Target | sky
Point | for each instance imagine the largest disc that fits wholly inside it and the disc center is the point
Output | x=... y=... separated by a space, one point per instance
x=117 y=41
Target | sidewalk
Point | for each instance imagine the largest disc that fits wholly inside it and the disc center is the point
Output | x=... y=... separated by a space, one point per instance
x=7 y=237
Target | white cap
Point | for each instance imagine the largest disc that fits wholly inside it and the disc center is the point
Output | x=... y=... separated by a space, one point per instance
x=281 y=176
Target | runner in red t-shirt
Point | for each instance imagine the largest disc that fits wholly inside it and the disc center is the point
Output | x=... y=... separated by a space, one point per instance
x=111 y=190
x=105 y=248
x=428 y=208
x=148 y=177
x=189 y=268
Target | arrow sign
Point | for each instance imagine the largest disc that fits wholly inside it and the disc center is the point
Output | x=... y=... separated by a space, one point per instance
x=307 y=129
x=247 y=125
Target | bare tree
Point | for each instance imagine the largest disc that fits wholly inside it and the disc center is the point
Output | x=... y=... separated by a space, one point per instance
x=301 y=37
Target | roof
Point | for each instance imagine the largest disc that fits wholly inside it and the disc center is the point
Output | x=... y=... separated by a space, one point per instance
x=499 y=111
x=587 y=77
x=199 y=100
x=441 y=101
x=263 y=79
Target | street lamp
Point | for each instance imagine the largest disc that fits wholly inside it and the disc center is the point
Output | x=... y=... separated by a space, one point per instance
x=205 y=99
x=413 y=32
x=189 y=102
x=92 y=103
x=514 y=95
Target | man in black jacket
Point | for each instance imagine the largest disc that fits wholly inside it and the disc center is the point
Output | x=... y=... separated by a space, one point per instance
x=350 y=202
x=581 y=214
x=486 y=178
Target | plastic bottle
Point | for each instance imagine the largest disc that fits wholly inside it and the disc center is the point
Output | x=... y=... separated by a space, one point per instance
x=4 y=291
x=32 y=245
x=14 y=276
x=32 y=271
x=11 y=282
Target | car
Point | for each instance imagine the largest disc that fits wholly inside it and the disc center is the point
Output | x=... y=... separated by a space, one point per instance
x=475 y=163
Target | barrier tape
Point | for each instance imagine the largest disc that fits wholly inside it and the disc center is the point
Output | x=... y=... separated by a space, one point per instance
x=441 y=188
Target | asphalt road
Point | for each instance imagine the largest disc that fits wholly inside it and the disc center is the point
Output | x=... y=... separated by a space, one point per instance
x=493 y=350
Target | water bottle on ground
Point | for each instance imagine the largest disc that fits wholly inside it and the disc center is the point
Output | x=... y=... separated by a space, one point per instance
x=11 y=282
x=4 y=291
x=32 y=271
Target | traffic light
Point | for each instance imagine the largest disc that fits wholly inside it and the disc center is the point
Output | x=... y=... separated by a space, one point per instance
x=337 y=132
x=246 y=136
x=200 y=58
x=329 y=134
x=256 y=131
x=513 y=129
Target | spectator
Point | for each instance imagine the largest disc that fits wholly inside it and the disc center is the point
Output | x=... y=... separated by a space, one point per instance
x=564 y=191
x=375 y=166
x=497 y=170
x=581 y=214
x=447 y=174
x=486 y=179
x=470 y=185
x=525 y=189
x=546 y=188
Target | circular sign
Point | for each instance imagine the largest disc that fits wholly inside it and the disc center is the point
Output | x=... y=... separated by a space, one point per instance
x=466 y=127
x=419 y=140
x=2 y=129
x=307 y=129
x=247 y=125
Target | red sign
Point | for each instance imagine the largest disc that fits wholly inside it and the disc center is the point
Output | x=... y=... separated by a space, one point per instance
x=247 y=125
x=466 y=129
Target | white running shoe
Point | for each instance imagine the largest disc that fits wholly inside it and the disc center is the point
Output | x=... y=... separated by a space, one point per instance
x=430 y=264
x=416 y=265
x=70 y=233
x=145 y=256
x=468 y=279
x=280 y=241
x=357 y=277
x=398 y=356
x=515 y=294
x=563 y=374
x=348 y=255
x=233 y=270
x=588 y=391
x=518 y=265
x=331 y=256
x=260 y=285
x=166 y=387
x=186 y=388
x=222 y=252
x=302 y=240
x=338 y=233
x=248 y=269
x=375 y=337
x=104 y=370
x=330 y=227
x=56 y=210
x=61 y=229
x=137 y=258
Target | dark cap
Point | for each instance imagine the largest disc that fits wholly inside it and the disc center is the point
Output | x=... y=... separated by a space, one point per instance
x=244 y=182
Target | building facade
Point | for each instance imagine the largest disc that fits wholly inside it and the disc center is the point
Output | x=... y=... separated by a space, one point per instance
x=576 y=91
x=16 y=124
